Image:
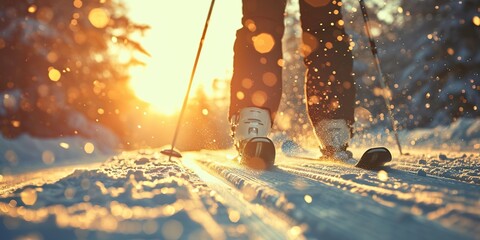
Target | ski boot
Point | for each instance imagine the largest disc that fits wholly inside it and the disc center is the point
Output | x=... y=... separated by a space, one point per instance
x=250 y=128
x=333 y=136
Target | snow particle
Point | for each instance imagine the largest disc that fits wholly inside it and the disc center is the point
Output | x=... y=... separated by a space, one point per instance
x=382 y=175
x=64 y=145
x=308 y=198
x=29 y=196
x=89 y=147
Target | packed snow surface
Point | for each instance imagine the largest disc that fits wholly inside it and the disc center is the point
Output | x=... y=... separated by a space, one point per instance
x=207 y=195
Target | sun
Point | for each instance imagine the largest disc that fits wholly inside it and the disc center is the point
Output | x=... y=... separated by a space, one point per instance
x=173 y=42
x=163 y=92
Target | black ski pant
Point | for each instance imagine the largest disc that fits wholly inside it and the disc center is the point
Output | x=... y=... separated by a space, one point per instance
x=258 y=59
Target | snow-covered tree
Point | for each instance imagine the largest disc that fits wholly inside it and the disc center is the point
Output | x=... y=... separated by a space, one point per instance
x=62 y=62
x=439 y=80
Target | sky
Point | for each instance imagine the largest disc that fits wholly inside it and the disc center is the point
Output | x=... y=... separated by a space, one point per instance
x=173 y=40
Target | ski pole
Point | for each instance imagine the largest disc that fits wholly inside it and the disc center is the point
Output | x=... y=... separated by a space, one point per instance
x=383 y=84
x=171 y=152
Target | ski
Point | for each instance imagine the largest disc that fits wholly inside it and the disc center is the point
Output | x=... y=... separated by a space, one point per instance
x=257 y=153
x=372 y=159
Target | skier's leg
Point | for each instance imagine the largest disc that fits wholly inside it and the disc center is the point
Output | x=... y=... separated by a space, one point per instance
x=330 y=89
x=257 y=66
x=256 y=86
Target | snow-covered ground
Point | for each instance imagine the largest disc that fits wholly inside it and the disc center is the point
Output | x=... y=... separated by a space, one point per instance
x=26 y=153
x=461 y=135
x=431 y=193
x=205 y=195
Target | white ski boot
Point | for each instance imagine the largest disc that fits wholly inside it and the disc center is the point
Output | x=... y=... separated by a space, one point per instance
x=333 y=136
x=250 y=128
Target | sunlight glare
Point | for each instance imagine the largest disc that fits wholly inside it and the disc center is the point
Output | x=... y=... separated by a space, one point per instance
x=173 y=41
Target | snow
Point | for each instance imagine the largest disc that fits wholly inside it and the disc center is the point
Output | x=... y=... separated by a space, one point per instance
x=65 y=188
x=462 y=135
x=27 y=153
x=206 y=195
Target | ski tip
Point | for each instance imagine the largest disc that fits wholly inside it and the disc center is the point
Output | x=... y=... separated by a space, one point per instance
x=374 y=158
x=171 y=153
x=258 y=153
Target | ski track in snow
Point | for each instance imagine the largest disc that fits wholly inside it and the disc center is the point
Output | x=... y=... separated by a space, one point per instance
x=337 y=200
x=205 y=195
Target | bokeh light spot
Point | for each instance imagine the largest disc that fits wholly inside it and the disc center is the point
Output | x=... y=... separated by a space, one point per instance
x=240 y=95
x=308 y=198
x=32 y=9
x=54 y=74
x=77 y=3
x=310 y=43
x=172 y=229
x=11 y=157
x=263 y=42
x=233 y=215
x=450 y=51
x=328 y=45
x=2 y=43
x=48 y=157
x=250 y=24
x=476 y=20
x=382 y=175
x=29 y=196
x=52 y=57
x=64 y=145
x=99 y=17
x=89 y=147
x=269 y=79
x=247 y=83
x=259 y=98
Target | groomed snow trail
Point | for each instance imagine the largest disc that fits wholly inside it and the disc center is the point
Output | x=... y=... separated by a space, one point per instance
x=206 y=195
x=342 y=202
